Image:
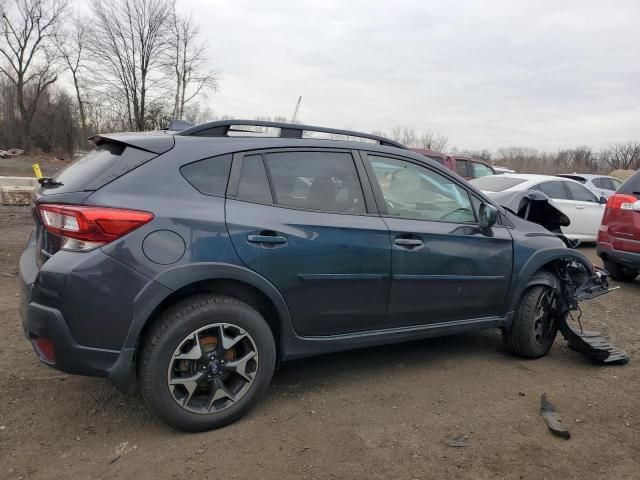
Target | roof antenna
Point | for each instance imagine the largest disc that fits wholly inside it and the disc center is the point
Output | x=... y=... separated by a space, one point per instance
x=295 y=110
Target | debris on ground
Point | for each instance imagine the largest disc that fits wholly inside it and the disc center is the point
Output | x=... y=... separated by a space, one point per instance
x=550 y=415
x=122 y=450
x=458 y=441
x=12 y=152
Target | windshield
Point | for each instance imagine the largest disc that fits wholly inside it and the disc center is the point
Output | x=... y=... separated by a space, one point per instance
x=496 y=183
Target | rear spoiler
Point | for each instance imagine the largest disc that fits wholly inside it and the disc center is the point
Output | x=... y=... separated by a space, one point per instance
x=153 y=142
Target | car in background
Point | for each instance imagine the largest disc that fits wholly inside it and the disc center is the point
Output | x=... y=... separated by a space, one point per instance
x=583 y=208
x=601 y=185
x=467 y=167
x=501 y=170
x=619 y=235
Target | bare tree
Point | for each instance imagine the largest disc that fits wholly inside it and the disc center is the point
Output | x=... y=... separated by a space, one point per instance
x=72 y=47
x=187 y=63
x=433 y=140
x=129 y=38
x=27 y=28
x=621 y=156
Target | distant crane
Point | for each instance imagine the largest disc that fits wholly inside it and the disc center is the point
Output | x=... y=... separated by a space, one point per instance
x=295 y=110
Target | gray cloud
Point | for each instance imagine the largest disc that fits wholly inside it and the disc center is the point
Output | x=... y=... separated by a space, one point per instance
x=544 y=74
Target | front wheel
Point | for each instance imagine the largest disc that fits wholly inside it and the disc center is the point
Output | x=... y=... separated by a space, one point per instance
x=205 y=362
x=535 y=325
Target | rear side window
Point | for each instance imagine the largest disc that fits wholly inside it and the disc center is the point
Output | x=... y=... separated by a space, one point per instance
x=553 y=190
x=480 y=170
x=580 y=193
x=461 y=167
x=325 y=181
x=208 y=176
x=254 y=185
x=600 y=183
x=615 y=183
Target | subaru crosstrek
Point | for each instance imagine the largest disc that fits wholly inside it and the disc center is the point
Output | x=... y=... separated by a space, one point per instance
x=194 y=261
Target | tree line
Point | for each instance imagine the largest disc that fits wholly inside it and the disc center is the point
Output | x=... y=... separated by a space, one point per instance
x=584 y=159
x=132 y=65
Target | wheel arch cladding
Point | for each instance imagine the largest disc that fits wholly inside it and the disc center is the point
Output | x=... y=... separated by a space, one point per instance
x=538 y=270
x=224 y=279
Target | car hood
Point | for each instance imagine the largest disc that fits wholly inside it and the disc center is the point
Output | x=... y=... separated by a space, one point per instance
x=533 y=206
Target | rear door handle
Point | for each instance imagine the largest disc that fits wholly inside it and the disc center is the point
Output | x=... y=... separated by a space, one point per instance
x=408 y=242
x=579 y=207
x=267 y=239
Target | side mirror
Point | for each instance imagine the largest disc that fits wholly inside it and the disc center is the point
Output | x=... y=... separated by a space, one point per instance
x=602 y=200
x=488 y=215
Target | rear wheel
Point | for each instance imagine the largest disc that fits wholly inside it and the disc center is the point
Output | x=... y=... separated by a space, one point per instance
x=619 y=272
x=206 y=362
x=535 y=325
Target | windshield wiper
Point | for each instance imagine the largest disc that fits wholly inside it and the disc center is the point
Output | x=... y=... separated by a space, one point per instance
x=48 y=182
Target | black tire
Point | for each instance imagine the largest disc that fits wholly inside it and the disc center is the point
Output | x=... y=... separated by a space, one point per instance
x=619 y=272
x=522 y=338
x=165 y=336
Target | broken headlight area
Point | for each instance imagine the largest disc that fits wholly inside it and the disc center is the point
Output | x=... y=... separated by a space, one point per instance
x=579 y=283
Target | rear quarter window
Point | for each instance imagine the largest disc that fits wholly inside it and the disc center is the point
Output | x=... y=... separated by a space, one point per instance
x=208 y=176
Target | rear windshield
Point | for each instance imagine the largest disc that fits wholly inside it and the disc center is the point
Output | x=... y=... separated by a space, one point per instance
x=496 y=183
x=632 y=185
x=100 y=166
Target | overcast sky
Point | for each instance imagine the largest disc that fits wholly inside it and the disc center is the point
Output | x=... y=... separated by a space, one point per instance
x=544 y=74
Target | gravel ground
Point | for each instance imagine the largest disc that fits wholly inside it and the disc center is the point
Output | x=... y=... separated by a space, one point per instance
x=377 y=413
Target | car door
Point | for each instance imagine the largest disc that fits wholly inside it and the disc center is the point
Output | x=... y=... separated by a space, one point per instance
x=444 y=265
x=589 y=210
x=301 y=219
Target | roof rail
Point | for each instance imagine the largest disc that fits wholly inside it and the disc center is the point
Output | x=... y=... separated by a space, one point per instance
x=287 y=130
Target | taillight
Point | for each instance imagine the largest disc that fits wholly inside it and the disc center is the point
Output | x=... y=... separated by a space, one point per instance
x=44 y=348
x=623 y=202
x=84 y=228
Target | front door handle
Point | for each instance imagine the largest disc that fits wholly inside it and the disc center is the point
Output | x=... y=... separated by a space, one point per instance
x=277 y=239
x=408 y=242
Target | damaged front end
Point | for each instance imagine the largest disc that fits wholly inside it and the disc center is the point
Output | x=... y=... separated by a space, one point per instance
x=573 y=280
x=577 y=284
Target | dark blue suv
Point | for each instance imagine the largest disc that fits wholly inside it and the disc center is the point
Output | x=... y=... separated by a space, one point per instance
x=195 y=260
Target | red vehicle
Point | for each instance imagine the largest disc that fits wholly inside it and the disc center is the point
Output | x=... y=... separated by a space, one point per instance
x=466 y=167
x=619 y=234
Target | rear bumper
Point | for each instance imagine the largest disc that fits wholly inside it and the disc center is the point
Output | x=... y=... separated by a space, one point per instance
x=40 y=321
x=628 y=259
x=46 y=305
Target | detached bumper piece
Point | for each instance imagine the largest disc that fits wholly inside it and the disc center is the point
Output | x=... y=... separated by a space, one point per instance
x=591 y=344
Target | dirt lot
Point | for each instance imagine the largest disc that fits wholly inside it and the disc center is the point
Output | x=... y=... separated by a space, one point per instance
x=377 y=413
x=21 y=166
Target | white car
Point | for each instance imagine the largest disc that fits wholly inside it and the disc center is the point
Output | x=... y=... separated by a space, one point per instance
x=600 y=185
x=583 y=208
